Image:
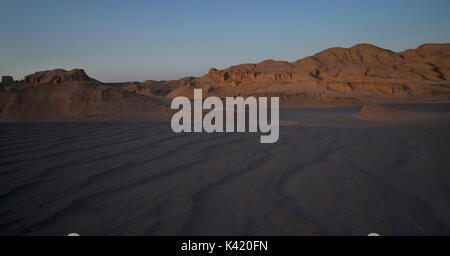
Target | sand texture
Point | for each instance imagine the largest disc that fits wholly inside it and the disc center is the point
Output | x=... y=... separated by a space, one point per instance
x=332 y=175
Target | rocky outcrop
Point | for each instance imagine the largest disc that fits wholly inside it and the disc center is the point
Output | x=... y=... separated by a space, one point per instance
x=82 y=102
x=56 y=76
x=361 y=74
x=153 y=88
x=360 y=63
x=363 y=70
x=59 y=95
x=435 y=55
x=268 y=70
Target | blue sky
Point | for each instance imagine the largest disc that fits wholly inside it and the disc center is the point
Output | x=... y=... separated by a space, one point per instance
x=140 y=40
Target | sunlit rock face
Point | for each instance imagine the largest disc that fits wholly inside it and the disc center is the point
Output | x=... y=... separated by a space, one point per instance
x=56 y=76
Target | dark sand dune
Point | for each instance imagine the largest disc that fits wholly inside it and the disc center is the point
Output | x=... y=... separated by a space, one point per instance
x=142 y=179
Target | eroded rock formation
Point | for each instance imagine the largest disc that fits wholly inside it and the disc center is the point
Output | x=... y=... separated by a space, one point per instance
x=56 y=76
x=362 y=70
x=361 y=74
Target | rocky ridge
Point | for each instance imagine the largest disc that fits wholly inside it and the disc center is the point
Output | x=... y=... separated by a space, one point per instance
x=357 y=75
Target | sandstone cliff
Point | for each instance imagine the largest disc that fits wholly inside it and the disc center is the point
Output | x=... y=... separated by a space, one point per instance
x=361 y=72
x=360 y=63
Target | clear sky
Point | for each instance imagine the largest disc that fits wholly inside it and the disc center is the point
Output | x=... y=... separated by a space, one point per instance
x=140 y=40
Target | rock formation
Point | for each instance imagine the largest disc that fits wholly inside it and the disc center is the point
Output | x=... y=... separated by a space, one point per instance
x=56 y=76
x=60 y=95
x=360 y=63
x=82 y=102
x=361 y=71
x=361 y=74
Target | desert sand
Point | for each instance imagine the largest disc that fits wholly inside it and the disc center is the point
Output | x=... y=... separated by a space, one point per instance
x=332 y=175
x=386 y=114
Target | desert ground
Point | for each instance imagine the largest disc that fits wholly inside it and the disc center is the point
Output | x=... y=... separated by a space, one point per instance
x=334 y=171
